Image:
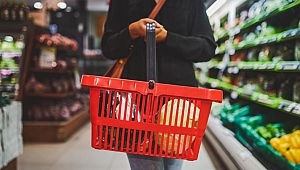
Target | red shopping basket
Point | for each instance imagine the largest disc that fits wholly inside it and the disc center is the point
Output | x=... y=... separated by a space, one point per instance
x=148 y=118
x=163 y=120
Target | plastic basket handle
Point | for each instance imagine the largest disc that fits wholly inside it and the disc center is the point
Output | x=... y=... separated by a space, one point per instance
x=151 y=52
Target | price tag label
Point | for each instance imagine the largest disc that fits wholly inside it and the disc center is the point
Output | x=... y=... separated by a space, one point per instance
x=231 y=51
x=290 y=107
x=258 y=96
x=228 y=132
x=232 y=32
x=237 y=30
x=271 y=66
x=218 y=122
x=244 y=154
x=262 y=67
x=234 y=95
x=272 y=39
x=263 y=41
x=247 y=67
x=214 y=84
x=284 y=104
x=47 y=57
x=296 y=109
x=266 y=101
x=289 y=66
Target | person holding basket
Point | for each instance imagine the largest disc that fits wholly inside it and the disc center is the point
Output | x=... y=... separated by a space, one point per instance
x=183 y=37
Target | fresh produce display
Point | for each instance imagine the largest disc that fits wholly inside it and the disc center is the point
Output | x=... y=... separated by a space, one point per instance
x=188 y=115
x=257 y=64
x=58 y=40
x=58 y=110
x=270 y=131
x=288 y=145
x=54 y=85
x=10 y=57
x=233 y=115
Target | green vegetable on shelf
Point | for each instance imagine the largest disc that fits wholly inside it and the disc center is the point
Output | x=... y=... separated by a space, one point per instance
x=264 y=132
x=270 y=131
x=275 y=130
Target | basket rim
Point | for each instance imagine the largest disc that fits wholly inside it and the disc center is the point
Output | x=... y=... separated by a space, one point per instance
x=159 y=89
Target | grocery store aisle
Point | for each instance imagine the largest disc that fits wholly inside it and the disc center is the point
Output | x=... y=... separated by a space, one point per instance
x=77 y=154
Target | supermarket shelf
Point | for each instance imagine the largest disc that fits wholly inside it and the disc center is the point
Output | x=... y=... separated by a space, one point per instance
x=233 y=153
x=282 y=66
x=280 y=37
x=15 y=26
x=54 y=131
x=50 y=70
x=51 y=95
x=271 y=14
x=285 y=106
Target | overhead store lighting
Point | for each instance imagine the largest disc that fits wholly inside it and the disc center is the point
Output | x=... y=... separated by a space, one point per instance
x=38 y=5
x=214 y=7
x=50 y=5
x=62 y=5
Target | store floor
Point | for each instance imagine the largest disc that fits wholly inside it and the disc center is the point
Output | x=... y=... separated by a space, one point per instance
x=77 y=154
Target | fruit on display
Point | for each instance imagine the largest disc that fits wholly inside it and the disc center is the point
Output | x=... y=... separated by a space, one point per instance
x=60 y=110
x=58 y=40
x=188 y=114
x=288 y=145
x=55 y=85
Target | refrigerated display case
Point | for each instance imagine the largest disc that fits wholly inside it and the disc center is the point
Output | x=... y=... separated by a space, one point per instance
x=257 y=66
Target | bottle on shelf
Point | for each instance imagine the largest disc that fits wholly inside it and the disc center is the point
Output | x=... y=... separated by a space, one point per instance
x=296 y=90
x=286 y=90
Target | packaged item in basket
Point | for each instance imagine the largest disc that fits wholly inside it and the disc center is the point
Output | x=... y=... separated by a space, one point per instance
x=187 y=116
x=122 y=106
x=126 y=108
x=105 y=106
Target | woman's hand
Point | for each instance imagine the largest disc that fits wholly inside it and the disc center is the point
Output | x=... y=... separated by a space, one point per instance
x=138 y=29
x=161 y=35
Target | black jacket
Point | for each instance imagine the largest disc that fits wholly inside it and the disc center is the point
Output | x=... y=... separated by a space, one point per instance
x=190 y=39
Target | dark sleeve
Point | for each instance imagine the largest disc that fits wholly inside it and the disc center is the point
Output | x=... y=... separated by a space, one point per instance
x=200 y=45
x=116 y=40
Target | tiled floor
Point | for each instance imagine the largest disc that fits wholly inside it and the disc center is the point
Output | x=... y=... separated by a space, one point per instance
x=77 y=154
